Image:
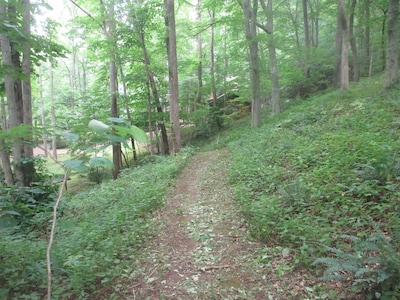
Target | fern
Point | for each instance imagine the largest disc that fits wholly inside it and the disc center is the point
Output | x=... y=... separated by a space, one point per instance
x=373 y=263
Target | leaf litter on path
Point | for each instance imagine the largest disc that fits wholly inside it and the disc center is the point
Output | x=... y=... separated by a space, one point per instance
x=203 y=249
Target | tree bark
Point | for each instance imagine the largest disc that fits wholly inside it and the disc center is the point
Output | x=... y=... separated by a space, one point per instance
x=43 y=116
x=173 y=73
x=306 y=37
x=338 y=52
x=28 y=167
x=11 y=59
x=200 y=61
x=4 y=150
x=273 y=62
x=53 y=114
x=154 y=90
x=250 y=19
x=341 y=70
x=109 y=28
x=344 y=74
x=383 y=39
x=353 y=45
x=127 y=110
x=392 y=58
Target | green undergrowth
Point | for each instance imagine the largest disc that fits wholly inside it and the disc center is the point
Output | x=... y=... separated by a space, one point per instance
x=323 y=168
x=98 y=238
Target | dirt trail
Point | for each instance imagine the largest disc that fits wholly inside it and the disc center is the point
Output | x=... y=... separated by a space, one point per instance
x=203 y=250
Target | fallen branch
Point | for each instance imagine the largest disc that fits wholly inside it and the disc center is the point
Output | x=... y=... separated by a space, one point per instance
x=53 y=225
x=208 y=268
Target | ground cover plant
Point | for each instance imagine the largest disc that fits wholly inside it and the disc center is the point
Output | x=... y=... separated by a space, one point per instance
x=99 y=233
x=317 y=183
x=323 y=168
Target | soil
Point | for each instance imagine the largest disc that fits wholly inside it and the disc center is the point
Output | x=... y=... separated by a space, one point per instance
x=204 y=249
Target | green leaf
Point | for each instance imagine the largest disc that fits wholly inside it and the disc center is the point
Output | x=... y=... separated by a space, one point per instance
x=139 y=135
x=76 y=165
x=17 y=132
x=7 y=221
x=101 y=162
x=12 y=212
x=118 y=120
x=116 y=138
x=122 y=131
x=98 y=126
x=70 y=136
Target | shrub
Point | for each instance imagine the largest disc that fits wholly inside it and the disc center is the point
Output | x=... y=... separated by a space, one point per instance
x=21 y=207
x=98 y=174
x=373 y=263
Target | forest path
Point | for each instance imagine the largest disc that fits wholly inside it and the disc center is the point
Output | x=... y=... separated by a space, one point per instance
x=203 y=250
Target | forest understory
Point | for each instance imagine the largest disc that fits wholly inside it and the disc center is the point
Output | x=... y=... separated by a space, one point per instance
x=204 y=249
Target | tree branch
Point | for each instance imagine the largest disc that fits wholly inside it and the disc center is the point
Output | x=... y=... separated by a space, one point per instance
x=264 y=28
x=87 y=13
x=53 y=228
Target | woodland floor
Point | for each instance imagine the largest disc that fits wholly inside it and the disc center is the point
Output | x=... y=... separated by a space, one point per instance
x=203 y=249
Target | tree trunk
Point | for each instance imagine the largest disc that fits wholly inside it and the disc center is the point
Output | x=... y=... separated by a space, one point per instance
x=383 y=38
x=344 y=74
x=152 y=82
x=356 y=64
x=150 y=119
x=276 y=94
x=43 y=116
x=173 y=73
x=368 y=33
x=250 y=19
x=392 y=57
x=341 y=70
x=306 y=37
x=11 y=58
x=315 y=9
x=127 y=110
x=109 y=22
x=28 y=167
x=53 y=114
x=216 y=107
x=6 y=164
x=338 y=52
x=200 y=59
x=4 y=150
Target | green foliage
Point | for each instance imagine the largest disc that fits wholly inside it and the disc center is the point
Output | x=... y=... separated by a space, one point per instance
x=373 y=263
x=20 y=205
x=99 y=236
x=86 y=144
x=319 y=168
x=98 y=174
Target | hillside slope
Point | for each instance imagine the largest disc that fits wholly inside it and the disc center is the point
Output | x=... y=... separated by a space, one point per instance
x=326 y=167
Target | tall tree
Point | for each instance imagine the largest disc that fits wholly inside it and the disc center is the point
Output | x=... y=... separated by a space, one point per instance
x=139 y=27
x=4 y=149
x=306 y=37
x=250 y=20
x=26 y=86
x=353 y=44
x=341 y=71
x=173 y=73
x=109 y=29
x=392 y=57
x=13 y=86
x=200 y=59
x=275 y=98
